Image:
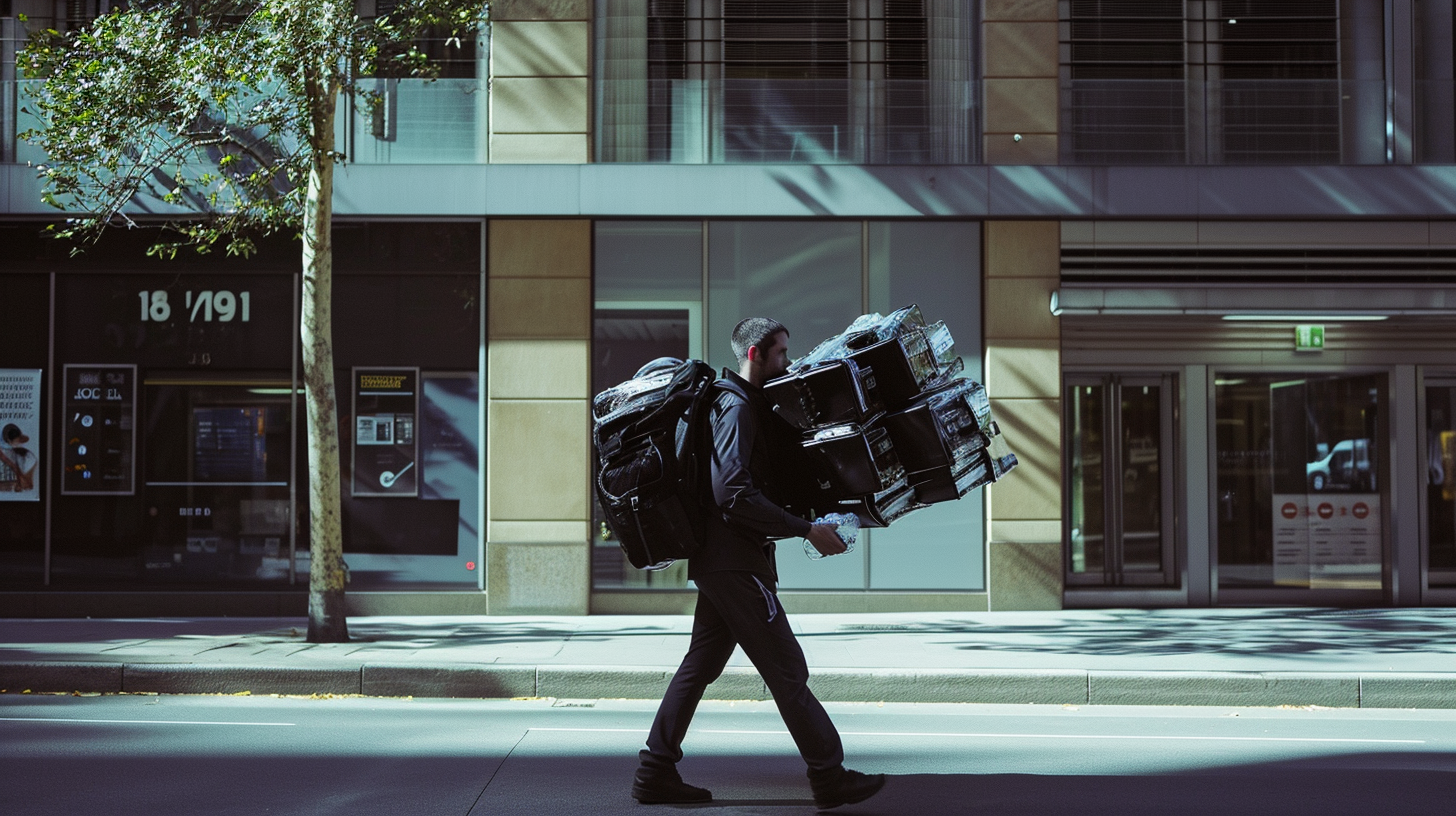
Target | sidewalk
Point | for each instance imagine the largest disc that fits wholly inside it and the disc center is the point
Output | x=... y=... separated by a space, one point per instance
x=1380 y=658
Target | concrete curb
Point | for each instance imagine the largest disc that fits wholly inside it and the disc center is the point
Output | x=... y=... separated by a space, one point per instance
x=1049 y=687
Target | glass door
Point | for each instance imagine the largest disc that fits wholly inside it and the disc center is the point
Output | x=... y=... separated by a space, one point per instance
x=1441 y=484
x=1301 y=490
x=1120 y=513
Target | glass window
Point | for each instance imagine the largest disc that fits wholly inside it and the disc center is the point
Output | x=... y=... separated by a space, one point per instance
x=814 y=277
x=937 y=265
x=24 y=339
x=649 y=261
x=888 y=83
x=649 y=294
x=1441 y=483
x=1300 y=485
x=804 y=275
x=1119 y=525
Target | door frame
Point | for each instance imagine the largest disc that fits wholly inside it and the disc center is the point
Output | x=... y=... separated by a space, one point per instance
x=1173 y=590
x=1443 y=595
x=1396 y=472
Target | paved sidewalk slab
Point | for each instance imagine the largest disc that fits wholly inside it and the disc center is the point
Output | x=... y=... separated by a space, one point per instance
x=1248 y=657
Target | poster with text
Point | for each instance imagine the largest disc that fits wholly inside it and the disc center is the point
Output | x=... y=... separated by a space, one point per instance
x=1327 y=540
x=98 y=456
x=386 y=403
x=1345 y=541
x=1291 y=539
x=19 y=434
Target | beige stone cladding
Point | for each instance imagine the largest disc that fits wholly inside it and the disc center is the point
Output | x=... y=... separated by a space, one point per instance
x=1023 y=375
x=538 y=378
x=1021 y=58
x=540 y=92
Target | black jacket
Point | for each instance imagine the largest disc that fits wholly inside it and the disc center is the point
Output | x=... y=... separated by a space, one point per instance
x=752 y=447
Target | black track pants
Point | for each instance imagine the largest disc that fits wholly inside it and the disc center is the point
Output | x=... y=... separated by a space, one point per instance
x=736 y=608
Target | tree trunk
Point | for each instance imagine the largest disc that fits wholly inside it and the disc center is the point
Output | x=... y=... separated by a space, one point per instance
x=327 y=622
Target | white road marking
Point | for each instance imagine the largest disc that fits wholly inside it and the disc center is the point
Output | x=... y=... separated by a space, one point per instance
x=136 y=722
x=1183 y=738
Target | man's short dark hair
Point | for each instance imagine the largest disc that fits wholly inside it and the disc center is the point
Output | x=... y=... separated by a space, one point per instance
x=754 y=332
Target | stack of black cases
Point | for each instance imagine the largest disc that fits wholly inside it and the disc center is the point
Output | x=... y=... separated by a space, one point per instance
x=887 y=425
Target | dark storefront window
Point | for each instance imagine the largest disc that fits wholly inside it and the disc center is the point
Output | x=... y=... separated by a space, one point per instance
x=1441 y=482
x=177 y=429
x=23 y=426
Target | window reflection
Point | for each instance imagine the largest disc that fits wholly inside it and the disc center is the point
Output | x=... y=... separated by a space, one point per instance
x=1298 y=491
x=1441 y=483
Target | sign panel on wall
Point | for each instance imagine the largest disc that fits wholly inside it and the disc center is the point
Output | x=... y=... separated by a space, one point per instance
x=386 y=403
x=1330 y=540
x=176 y=321
x=19 y=434
x=98 y=427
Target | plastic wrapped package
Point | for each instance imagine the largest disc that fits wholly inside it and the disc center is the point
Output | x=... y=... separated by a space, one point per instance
x=905 y=356
x=836 y=392
x=854 y=461
x=937 y=443
x=884 y=507
x=949 y=443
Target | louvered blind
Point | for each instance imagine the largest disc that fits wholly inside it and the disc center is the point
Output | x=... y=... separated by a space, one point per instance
x=1226 y=81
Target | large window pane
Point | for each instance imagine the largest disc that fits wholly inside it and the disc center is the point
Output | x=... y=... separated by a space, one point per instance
x=1441 y=483
x=1299 y=492
x=936 y=265
x=805 y=275
x=1087 y=529
x=649 y=294
x=808 y=277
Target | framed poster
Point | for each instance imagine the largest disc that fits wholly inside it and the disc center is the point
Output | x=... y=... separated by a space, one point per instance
x=98 y=427
x=386 y=404
x=19 y=431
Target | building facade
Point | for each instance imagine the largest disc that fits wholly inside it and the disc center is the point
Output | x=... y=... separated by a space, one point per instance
x=1203 y=255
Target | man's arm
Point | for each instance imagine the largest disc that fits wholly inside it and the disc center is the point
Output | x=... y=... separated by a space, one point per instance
x=742 y=502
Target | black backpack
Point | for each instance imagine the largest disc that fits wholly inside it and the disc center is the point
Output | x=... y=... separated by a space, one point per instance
x=651 y=439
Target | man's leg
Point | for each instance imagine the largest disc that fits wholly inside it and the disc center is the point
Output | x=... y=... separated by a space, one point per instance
x=657 y=780
x=750 y=611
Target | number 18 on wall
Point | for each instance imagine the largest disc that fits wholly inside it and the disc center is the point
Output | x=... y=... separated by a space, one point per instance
x=207 y=306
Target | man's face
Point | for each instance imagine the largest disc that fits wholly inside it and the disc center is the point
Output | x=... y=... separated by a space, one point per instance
x=775 y=360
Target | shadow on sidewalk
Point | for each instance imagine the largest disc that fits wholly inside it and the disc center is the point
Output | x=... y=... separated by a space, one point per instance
x=1283 y=632
x=1352 y=785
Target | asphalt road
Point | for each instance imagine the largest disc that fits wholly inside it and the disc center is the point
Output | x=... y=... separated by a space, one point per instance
x=121 y=755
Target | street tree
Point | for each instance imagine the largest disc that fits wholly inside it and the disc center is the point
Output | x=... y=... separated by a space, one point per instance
x=219 y=115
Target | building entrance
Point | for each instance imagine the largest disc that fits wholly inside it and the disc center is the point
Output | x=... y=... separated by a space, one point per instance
x=1300 y=495
x=1119 y=511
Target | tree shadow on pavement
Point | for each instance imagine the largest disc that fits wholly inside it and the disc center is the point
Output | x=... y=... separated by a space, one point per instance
x=1276 y=632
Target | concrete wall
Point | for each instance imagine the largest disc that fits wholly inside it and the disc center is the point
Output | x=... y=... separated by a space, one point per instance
x=540 y=60
x=538 y=383
x=1020 y=63
x=1023 y=375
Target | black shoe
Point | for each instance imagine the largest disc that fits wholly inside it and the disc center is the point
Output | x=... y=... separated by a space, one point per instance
x=666 y=788
x=846 y=788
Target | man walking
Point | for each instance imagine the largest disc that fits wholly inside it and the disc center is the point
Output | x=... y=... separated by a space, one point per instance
x=737 y=604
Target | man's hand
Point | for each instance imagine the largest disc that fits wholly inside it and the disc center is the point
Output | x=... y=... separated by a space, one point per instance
x=826 y=540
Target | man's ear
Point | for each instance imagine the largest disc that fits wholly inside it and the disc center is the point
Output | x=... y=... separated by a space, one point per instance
x=753 y=354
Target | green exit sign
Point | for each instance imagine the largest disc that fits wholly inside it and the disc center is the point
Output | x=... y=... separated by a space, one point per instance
x=1309 y=338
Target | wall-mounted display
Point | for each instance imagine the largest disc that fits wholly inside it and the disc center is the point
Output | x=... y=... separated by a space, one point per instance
x=19 y=434
x=386 y=402
x=98 y=424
